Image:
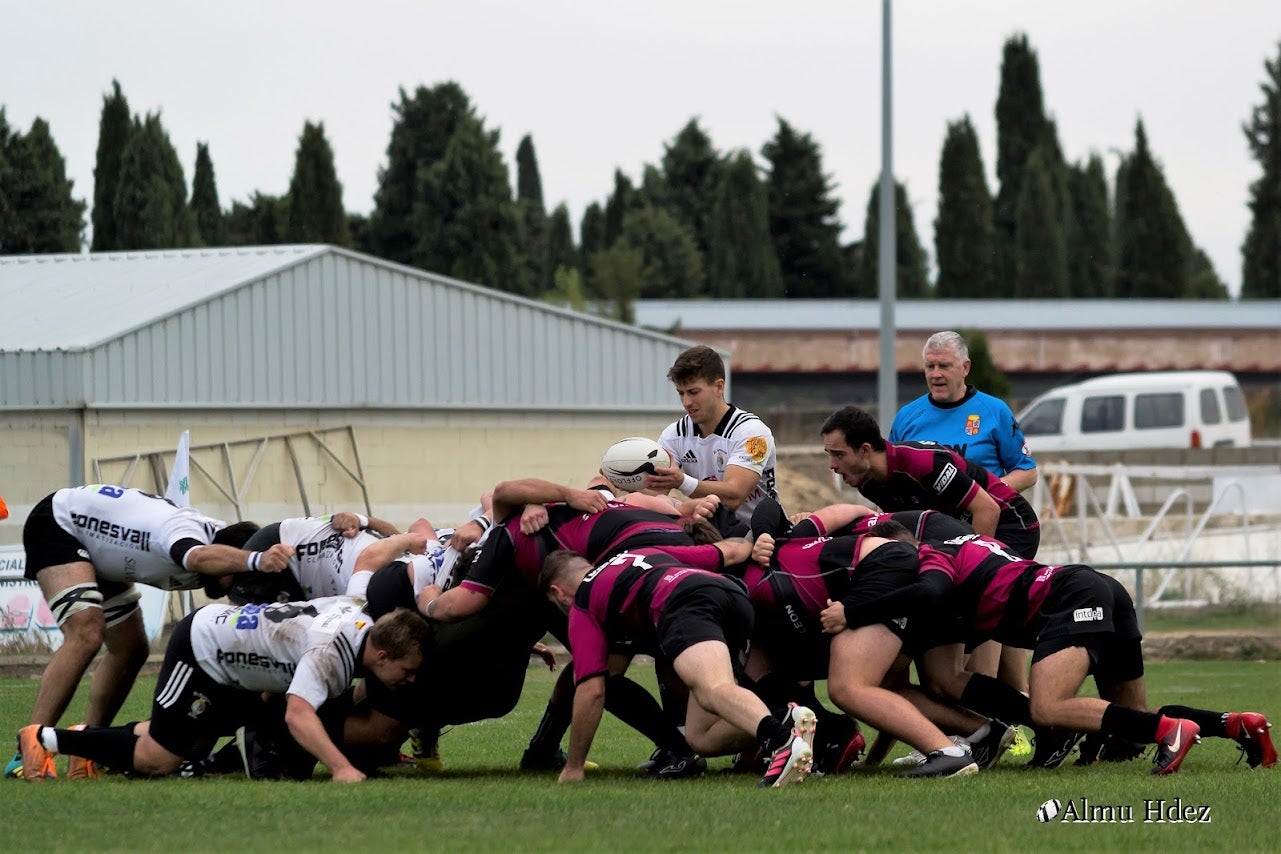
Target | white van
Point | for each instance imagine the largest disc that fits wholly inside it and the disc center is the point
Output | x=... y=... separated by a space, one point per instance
x=1158 y=409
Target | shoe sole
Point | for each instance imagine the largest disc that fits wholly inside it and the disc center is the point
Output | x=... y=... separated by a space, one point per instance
x=1006 y=740
x=798 y=768
x=964 y=771
x=805 y=727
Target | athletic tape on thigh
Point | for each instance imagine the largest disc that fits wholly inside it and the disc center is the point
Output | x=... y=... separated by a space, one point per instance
x=118 y=608
x=77 y=597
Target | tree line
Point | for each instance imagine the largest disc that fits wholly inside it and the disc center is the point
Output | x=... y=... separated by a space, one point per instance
x=699 y=223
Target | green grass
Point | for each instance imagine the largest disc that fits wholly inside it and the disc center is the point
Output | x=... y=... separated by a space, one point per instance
x=481 y=804
x=1251 y=617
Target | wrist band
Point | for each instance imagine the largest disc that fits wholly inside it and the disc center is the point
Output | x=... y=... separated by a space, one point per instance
x=364 y=521
x=483 y=521
x=431 y=609
x=688 y=485
x=253 y=560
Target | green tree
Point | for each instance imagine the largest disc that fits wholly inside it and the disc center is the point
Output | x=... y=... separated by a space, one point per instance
x=465 y=217
x=740 y=259
x=964 y=239
x=204 y=200
x=567 y=289
x=691 y=168
x=38 y=213
x=1089 y=248
x=1021 y=127
x=673 y=267
x=151 y=200
x=1152 y=243
x=114 y=128
x=620 y=277
x=1203 y=281
x=591 y=233
x=422 y=128
x=262 y=222
x=1261 y=251
x=910 y=279
x=533 y=219
x=617 y=206
x=316 y=213
x=561 y=252
x=1040 y=250
x=984 y=374
x=803 y=218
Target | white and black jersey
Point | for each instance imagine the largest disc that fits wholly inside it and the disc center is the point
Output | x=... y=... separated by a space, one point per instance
x=740 y=439
x=130 y=535
x=323 y=560
x=311 y=649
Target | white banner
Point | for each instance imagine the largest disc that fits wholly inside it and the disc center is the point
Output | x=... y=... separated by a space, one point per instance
x=25 y=618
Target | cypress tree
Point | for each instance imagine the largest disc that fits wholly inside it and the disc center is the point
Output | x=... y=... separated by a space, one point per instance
x=262 y=222
x=672 y=266
x=533 y=219
x=622 y=200
x=1152 y=244
x=151 y=200
x=114 y=128
x=911 y=281
x=1040 y=250
x=1090 y=243
x=1021 y=127
x=691 y=168
x=741 y=260
x=804 y=226
x=1261 y=251
x=964 y=239
x=204 y=200
x=984 y=374
x=315 y=211
x=38 y=213
x=561 y=252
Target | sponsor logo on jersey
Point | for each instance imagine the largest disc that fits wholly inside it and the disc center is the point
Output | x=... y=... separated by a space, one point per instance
x=82 y=553
x=797 y=622
x=198 y=705
x=1087 y=615
x=757 y=447
x=945 y=477
x=689 y=458
x=103 y=530
x=253 y=659
x=720 y=461
x=971 y=425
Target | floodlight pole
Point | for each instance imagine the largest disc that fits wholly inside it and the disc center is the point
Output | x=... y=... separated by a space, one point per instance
x=887 y=374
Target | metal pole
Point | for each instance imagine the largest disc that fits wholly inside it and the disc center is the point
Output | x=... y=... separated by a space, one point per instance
x=887 y=374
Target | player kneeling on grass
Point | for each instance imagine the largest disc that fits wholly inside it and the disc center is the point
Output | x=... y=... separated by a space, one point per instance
x=219 y=663
x=1078 y=622
x=696 y=621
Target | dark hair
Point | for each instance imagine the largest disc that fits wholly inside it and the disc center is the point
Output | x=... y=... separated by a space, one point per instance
x=857 y=425
x=236 y=535
x=399 y=633
x=555 y=566
x=891 y=530
x=697 y=363
x=701 y=530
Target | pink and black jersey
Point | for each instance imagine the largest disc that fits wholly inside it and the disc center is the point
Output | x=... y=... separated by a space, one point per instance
x=804 y=573
x=620 y=602
x=508 y=553
x=927 y=476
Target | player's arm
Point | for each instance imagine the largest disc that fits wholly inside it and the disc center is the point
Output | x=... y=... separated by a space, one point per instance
x=1020 y=479
x=456 y=603
x=733 y=490
x=836 y=516
x=216 y=559
x=306 y=728
x=589 y=705
x=351 y=524
x=510 y=494
x=984 y=512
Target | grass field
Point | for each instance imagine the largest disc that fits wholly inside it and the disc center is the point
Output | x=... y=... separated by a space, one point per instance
x=480 y=803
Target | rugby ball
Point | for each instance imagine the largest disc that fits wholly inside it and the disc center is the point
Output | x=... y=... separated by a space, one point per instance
x=626 y=463
x=1049 y=810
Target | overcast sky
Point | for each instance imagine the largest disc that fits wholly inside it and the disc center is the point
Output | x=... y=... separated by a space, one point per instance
x=603 y=85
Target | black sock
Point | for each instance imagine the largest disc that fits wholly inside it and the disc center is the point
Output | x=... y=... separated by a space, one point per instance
x=1211 y=723
x=553 y=725
x=636 y=707
x=994 y=699
x=826 y=719
x=772 y=733
x=774 y=691
x=1130 y=723
x=109 y=746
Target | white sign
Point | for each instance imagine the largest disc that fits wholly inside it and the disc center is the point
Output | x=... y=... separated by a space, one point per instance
x=25 y=618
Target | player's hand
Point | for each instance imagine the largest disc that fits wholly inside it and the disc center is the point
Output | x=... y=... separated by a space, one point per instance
x=276 y=558
x=348 y=775
x=833 y=618
x=706 y=506
x=466 y=535
x=428 y=594
x=587 y=500
x=571 y=775
x=797 y=518
x=347 y=524
x=533 y=519
x=763 y=549
x=544 y=652
x=665 y=479
x=736 y=550
x=416 y=541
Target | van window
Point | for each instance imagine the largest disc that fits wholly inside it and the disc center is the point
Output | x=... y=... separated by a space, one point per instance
x=1210 y=407
x=1236 y=403
x=1153 y=411
x=1105 y=414
x=1044 y=419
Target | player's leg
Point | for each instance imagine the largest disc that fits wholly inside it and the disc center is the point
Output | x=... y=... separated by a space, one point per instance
x=76 y=602
x=127 y=648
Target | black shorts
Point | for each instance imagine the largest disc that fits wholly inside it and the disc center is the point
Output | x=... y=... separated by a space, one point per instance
x=1088 y=609
x=703 y=608
x=190 y=710
x=887 y=568
x=46 y=542
x=799 y=650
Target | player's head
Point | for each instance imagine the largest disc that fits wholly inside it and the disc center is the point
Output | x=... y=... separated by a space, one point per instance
x=563 y=571
x=394 y=648
x=947 y=363
x=236 y=534
x=701 y=530
x=850 y=437
x=699 y=377
x=892 y=530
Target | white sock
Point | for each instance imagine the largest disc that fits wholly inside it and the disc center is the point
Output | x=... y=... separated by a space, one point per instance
x=48 y=738
x=980 y=733
x=953 y=751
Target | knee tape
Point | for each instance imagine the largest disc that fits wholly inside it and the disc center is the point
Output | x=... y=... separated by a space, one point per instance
x=118 y=608
x=76 y=598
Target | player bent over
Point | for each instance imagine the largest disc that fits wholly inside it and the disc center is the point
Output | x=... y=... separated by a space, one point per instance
x=700 y=623
x=219 y=662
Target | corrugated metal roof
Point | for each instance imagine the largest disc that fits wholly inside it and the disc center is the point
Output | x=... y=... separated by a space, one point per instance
x=933 y=315
x=70 y=302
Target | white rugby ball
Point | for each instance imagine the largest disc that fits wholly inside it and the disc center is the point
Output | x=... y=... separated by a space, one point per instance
x=626 y=463
x=1049 y=810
